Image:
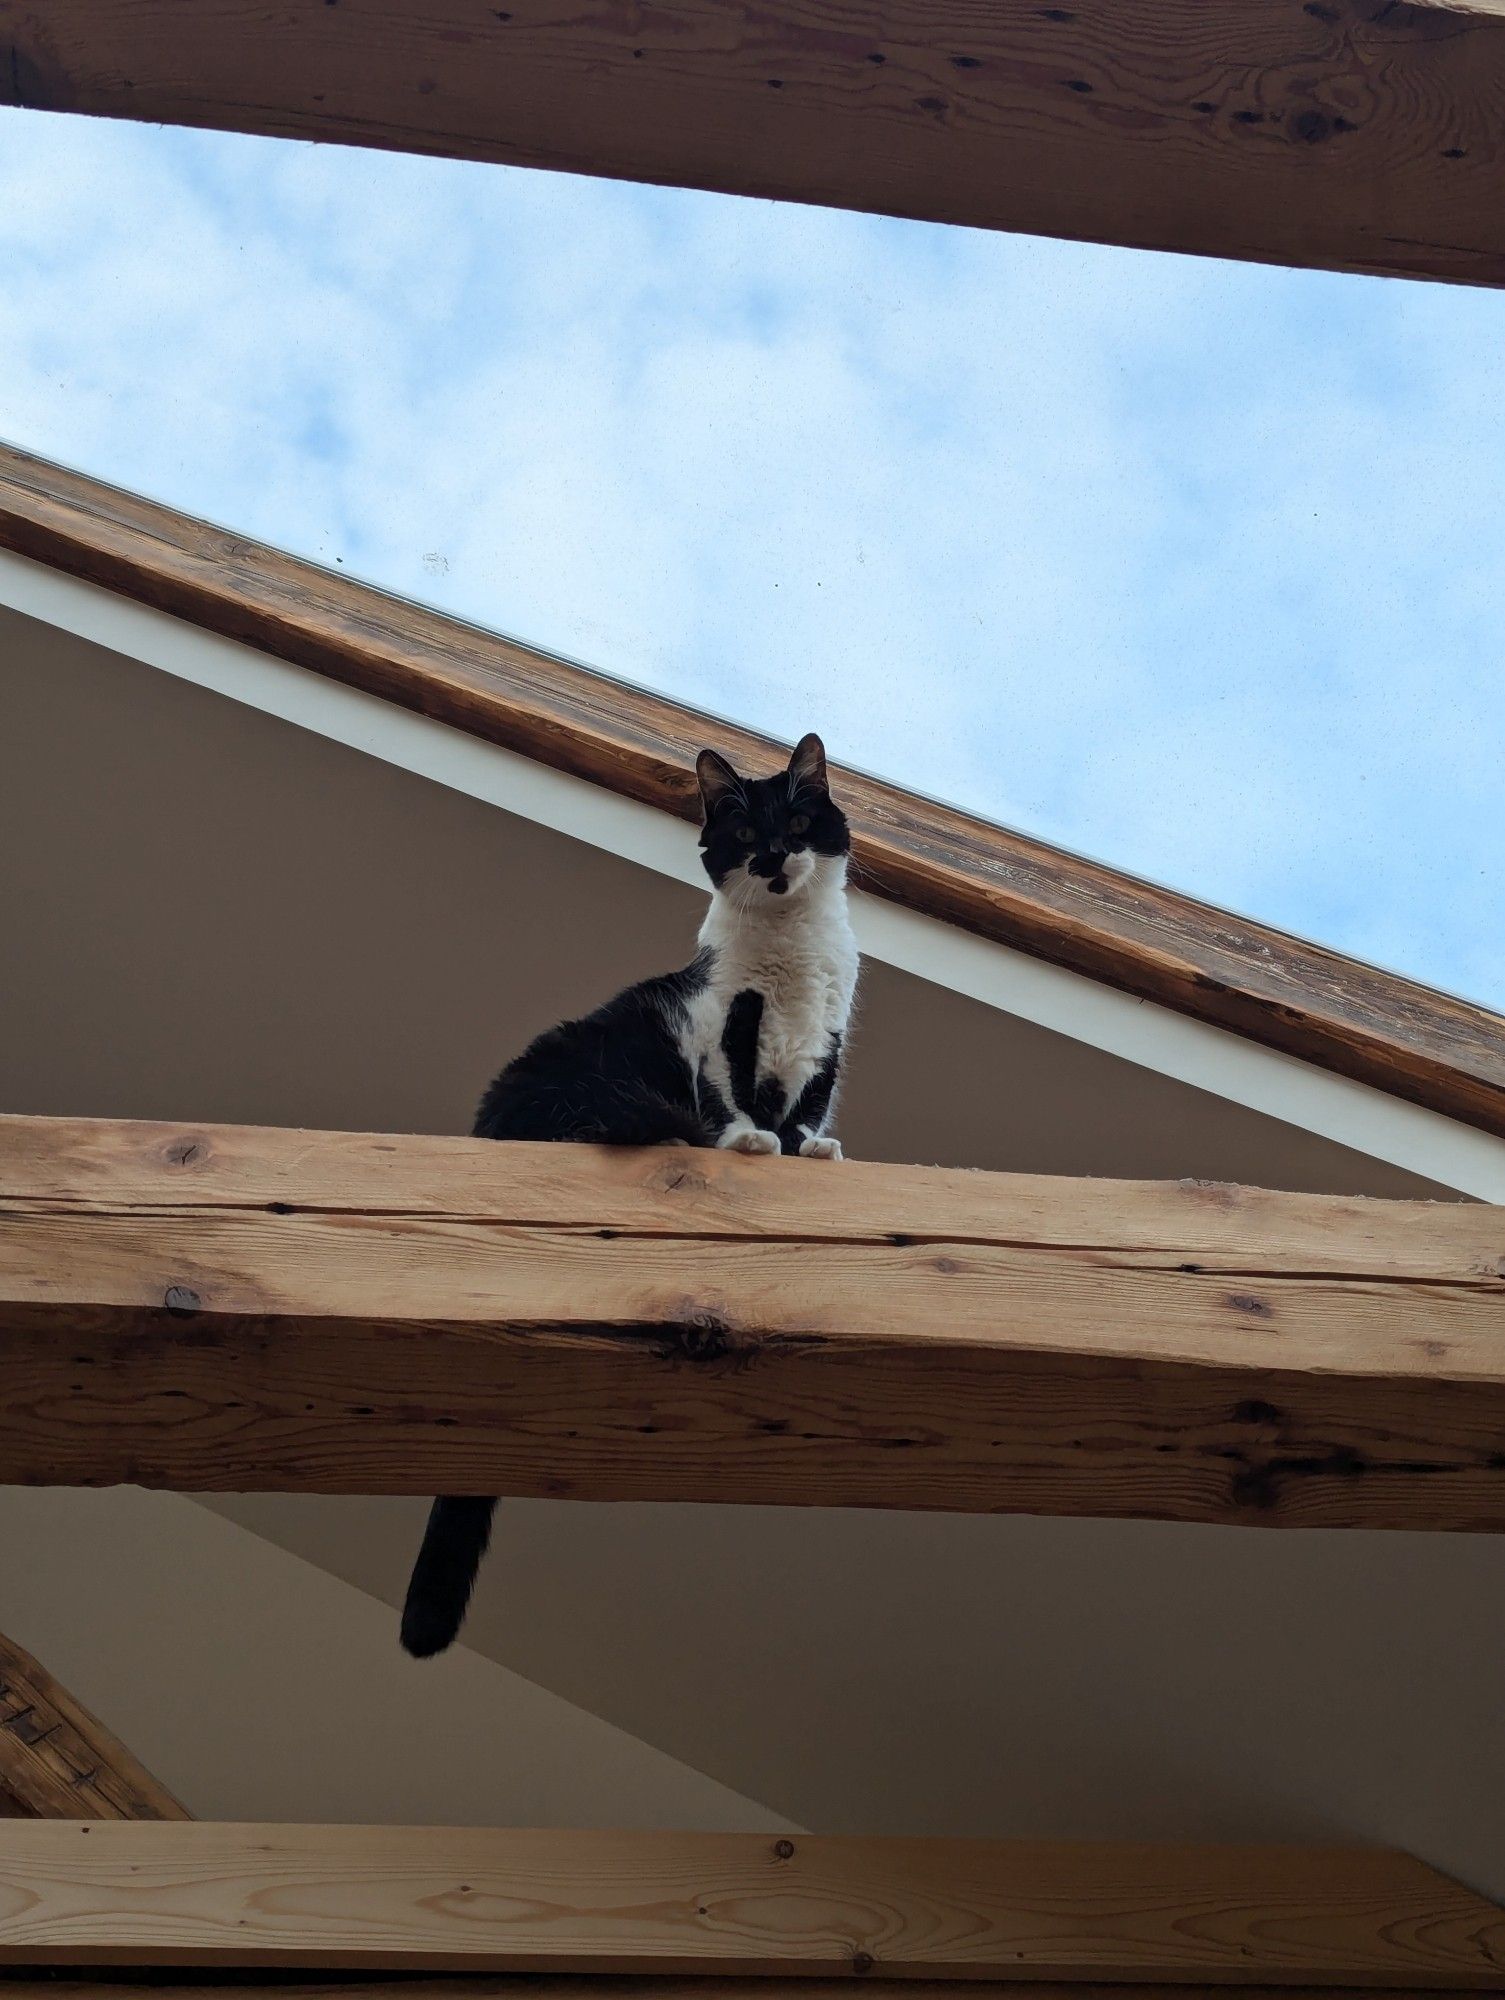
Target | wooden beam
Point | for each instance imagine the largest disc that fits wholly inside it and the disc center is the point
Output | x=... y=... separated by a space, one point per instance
x=221 y=1309
x=292 y=1985
x=57 y=1761
x=433 y=1898
x=1342 y=134
x=1438 y=1051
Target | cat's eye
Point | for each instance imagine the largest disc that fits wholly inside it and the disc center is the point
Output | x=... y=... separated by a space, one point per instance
x=746 y=835
x=799 y=822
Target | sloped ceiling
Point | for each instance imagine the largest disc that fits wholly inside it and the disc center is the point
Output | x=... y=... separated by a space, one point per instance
x=938 y=1674
x=257 y=1686
x=227 y=918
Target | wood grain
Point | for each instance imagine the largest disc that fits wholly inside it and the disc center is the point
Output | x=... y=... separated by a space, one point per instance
x=152 y=1167
x=215 y=1309
x=1326 y=1009
x=428 y=1898
x=57 y=1761
x=1334 y=133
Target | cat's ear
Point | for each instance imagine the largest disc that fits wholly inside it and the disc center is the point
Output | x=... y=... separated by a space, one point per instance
x=807 y=767
x=718 y=781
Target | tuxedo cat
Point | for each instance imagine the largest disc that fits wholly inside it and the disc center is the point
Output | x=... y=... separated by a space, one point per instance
x=741 y=1049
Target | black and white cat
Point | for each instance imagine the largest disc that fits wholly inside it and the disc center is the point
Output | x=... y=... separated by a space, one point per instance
x=741 y=1049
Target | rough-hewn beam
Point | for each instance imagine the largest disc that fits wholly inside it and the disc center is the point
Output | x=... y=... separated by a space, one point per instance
x=1343 y=133
x=58 y=1762
x=226 y=1308
x=429 y=1898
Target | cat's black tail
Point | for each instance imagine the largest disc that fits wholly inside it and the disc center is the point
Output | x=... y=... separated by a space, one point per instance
x=445 y=1573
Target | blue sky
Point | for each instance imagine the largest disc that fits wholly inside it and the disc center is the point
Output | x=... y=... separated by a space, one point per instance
x=1199 y=568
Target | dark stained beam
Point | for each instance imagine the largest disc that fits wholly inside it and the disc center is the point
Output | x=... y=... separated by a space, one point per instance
x=1357 y=135
x=293 y=1984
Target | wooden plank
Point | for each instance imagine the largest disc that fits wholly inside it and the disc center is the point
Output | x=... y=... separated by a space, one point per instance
x=1435 y=1050
x=431 y=1898
x=57 y=1761
x=217 y=1310
x=1331 y=133
x=104 y=1165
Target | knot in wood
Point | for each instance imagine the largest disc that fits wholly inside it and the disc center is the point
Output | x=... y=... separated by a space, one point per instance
x=701 y=1333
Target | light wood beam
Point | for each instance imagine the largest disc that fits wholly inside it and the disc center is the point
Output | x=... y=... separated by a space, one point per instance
x=1337 y=133
x=429 y=1898
x=221 y=1309
x=57 y=1761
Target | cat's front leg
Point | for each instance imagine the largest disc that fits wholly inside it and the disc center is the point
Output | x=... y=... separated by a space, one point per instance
x=802 y=1131
x=742 y=1136
x=739 y=1045
x=821 y=1147
x=808 y=1145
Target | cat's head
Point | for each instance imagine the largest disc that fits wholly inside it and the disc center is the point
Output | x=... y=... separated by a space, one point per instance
x=774 y=836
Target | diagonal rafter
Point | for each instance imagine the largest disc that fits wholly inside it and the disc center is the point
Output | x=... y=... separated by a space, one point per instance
x=1333 y=1012
x=57 y=1761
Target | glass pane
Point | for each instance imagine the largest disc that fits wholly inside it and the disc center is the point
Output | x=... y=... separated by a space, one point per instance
x=1192 y=566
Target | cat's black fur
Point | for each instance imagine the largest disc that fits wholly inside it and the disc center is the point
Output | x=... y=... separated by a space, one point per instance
x=784 y=815
x=613 y=1078
x=621 y=1077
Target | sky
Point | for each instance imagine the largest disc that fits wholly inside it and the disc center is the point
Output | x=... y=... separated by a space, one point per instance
x=1194 y=567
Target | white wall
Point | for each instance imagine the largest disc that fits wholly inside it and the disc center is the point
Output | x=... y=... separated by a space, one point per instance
x=259 y=1687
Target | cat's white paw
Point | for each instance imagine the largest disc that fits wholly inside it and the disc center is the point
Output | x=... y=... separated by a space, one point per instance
x=674 y=1142
x=748 y=1139
x=821 y=1149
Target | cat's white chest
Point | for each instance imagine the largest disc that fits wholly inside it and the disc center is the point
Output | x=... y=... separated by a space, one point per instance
x=806 y=983
x=803 y=964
